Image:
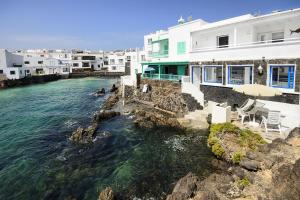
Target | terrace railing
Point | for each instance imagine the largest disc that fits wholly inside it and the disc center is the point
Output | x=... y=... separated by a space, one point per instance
x=160 y=54
x=250 y=44
x=169 y=77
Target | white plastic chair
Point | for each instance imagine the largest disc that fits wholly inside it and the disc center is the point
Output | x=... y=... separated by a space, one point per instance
x=242 y=111
x=272 y=122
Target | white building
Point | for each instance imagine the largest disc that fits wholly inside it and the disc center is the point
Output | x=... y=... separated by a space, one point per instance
x=247 y=49
x=87 y=60
x=116 y=61
x=11 y=65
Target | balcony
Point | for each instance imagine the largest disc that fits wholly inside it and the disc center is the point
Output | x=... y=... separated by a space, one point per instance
x=270 y=49
x=169 y=77
x=161 y=54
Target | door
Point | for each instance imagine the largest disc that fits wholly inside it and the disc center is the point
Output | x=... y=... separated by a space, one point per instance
x=196 y=74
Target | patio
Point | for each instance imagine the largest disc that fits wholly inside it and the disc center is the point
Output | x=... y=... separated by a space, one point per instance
x=289 y=119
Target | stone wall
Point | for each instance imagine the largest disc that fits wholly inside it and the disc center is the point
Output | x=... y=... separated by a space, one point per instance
x=29 y=80
x=225 y=94
x=165 y=95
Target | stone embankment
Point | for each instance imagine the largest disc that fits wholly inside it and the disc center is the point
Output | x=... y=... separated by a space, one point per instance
x=257 y=171
x=29 y=80
x=163 y=101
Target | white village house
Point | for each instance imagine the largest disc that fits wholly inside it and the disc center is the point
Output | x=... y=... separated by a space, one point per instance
x=210 y=59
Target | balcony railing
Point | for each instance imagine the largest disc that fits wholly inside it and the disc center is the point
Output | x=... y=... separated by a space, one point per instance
x=160 y=54
x=250 y=44
x=169 y=77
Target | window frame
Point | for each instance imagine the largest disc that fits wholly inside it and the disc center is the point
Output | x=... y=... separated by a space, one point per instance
x=243 y=65
x=218 y=41
x=270 y=71
x=204 y=75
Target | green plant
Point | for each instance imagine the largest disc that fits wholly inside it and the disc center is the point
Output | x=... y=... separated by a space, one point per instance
x=212 y=140
x=244 y=182
x=237 y=157
x=217 y=149
x=249 y=139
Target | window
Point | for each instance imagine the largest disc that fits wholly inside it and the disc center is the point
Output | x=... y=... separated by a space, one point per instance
x=85 y=64
x=40 y=62
x=239 y=75
x=282 y=76
x=98 y=66
x=113 y=68
x=222 y=41
x=112 y=61
x=128 y=57
x=149 y=41
x=65 y=69
x=143 y=58
x=277 y=37
x=213 y=74
x=27 y=62
x=180 y=48
x=27 y=71
x=20 y=71
x=75 y=64
x=1 y=71
x=12 y=72
x=121 y=61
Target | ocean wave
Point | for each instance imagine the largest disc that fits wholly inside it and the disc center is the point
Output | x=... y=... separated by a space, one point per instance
x=70 y=123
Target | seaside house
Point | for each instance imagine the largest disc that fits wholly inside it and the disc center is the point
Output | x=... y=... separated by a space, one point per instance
x=87 y=60
x=168 y=51
x=11 y=65
x=211 y=59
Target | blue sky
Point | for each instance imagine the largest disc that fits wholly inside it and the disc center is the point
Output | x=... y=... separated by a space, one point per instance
x=110 y=24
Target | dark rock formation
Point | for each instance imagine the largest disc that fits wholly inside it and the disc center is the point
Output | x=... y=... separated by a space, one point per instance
x=274 y=173
x=104 y=115
x=151 y=118
x=107 y=194
x=110 y=102
x=84 y=136
x=184 y=188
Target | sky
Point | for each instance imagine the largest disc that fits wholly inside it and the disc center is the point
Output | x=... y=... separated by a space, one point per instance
x=110 y=24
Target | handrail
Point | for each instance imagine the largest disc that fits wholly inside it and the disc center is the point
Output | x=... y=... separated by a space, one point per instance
x=250 y=44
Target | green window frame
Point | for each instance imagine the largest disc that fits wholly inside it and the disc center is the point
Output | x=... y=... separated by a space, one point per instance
x=181 y=48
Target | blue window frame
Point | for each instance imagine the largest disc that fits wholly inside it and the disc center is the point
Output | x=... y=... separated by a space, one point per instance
x=213 y=74
x=240 y=74
x=282 y=76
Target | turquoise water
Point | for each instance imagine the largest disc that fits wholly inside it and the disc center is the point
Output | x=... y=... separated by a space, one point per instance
x=38 y=162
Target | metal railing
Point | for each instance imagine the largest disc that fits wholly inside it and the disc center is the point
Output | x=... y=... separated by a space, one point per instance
x=250 y=44
x=160 y=54
x=170 y=77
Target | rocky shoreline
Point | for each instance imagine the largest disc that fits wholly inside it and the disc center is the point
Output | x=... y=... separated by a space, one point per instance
x=272 y=171
x=248 y=168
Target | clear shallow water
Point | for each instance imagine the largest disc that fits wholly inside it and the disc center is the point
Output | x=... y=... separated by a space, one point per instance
x=38 y=162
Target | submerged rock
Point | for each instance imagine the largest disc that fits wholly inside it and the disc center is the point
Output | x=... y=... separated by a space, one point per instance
x=104 y=115
x=107 y=194
x=84 y=136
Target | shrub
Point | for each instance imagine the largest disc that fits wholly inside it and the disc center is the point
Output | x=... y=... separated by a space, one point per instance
x=244 y=182
x=249 y=139
x=212 y=140
x=217 y=149
x=237 y=157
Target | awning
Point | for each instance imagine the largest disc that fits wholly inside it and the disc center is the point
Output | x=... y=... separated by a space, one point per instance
x=166 y=63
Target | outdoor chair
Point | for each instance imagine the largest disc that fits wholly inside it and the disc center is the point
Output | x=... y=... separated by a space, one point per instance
x=243 y=110
x=272 y=122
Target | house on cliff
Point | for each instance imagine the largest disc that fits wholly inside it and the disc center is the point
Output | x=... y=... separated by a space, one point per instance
x=217 y=56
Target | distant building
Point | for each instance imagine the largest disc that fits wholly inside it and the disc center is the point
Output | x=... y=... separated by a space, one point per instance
x=11 y=65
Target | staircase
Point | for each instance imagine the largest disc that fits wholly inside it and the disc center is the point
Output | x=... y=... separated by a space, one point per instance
x=196 y=119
